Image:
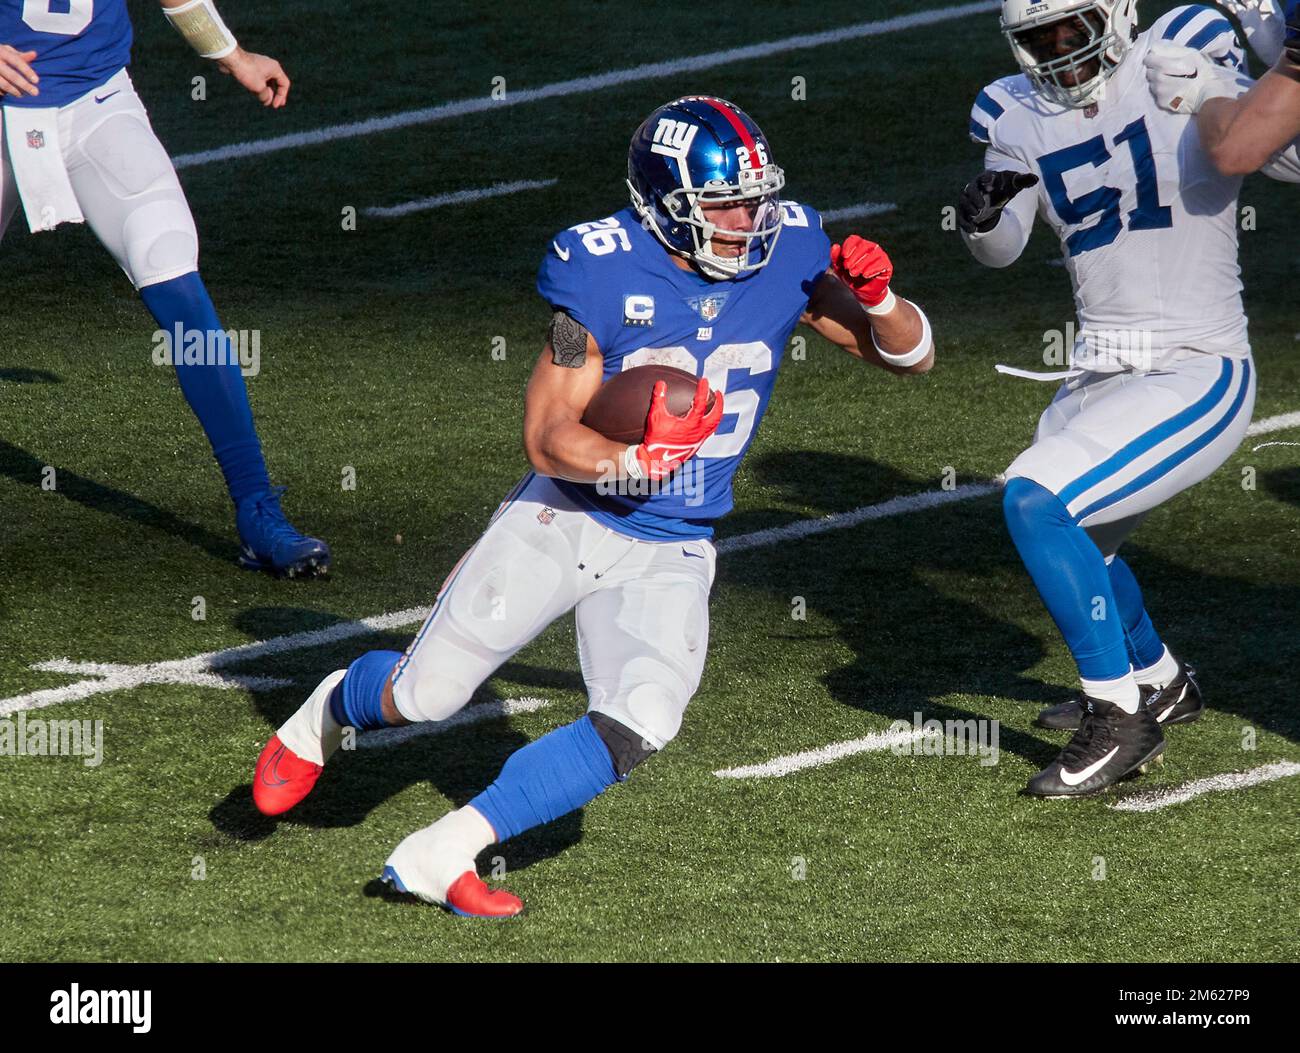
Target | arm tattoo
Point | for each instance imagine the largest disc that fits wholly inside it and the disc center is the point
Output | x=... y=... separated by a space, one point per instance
x=568 y=341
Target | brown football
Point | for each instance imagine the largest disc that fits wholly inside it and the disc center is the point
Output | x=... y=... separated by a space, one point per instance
x=618 y=410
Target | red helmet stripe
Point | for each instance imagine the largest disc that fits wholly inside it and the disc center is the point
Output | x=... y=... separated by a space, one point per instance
x=736 y=124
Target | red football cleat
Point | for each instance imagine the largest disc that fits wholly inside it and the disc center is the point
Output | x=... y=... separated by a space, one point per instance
x=469 y=897
x=282 y=778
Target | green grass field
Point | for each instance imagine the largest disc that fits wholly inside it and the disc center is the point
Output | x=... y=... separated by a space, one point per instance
x=377 y=355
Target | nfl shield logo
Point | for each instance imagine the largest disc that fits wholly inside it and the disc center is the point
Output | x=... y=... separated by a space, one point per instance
x=708 y=307
x=545 y=516
x=36 y=139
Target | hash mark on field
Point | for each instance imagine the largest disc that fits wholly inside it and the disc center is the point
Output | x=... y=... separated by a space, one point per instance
x=876 y=742
x=457 y=197
x=1154 y=800
x=580 y=85
x=469 y=715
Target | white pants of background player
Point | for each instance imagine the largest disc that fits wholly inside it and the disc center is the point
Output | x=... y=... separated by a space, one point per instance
x=123 y=181
x=641 y=609
x=1113 y=446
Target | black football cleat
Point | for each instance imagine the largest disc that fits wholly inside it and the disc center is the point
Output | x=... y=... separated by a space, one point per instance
x=1109 y=745
x=1178 y=702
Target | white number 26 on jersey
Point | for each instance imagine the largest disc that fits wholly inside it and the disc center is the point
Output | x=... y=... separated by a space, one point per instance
x=66 y=23
x=742 y=404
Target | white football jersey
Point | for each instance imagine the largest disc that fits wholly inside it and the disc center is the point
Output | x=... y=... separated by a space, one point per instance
x=1147 y=226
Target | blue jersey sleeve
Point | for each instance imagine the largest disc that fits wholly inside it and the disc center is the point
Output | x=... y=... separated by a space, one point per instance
x=567 y=280
x=804 y=225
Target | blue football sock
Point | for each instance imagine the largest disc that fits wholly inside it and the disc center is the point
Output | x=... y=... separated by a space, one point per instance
x=358 y=699
x=216 y=393
x=561 y=771
x=1071 y=575
x=1144 y=645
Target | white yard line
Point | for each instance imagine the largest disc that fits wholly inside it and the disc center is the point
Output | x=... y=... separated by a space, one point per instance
x=895 y=506
x=469 y=715
x=457 y=197
x=580 y=85
x=1271 y=424
x=199 y=669
x=867 y=208
x=793 y=762
x=1154 y=800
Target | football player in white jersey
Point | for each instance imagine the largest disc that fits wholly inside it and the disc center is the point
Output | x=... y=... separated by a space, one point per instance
x=1242 y=134
x=1161 y=384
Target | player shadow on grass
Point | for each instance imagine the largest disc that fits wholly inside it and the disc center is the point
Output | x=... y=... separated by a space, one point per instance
x=892 y=599
x=915 y=643
x=28 y=470
x=457 y=763
x=26 y=375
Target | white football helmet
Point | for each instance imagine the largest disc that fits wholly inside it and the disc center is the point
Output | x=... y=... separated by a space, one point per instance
x=1106 y=31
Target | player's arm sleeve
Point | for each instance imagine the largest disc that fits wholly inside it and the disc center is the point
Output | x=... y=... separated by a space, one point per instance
x=818 y=252
x=564 y=282
x=1204 y=28
x=1001 y=246
x=1285 y=166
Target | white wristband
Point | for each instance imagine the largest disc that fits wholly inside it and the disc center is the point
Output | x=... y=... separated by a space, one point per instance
x=631 y=465
x=917 y=354
x=886 y=305
x=201 y=26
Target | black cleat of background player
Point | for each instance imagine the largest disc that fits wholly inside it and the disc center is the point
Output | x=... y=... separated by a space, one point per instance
x=1178 y=702
x=1109 y=745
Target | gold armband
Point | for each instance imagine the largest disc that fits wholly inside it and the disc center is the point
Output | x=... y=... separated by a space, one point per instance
x=202 y=28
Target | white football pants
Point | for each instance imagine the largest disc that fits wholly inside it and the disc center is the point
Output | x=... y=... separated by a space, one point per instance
x=123 y=180
x=641 y=609
x=1113 y=446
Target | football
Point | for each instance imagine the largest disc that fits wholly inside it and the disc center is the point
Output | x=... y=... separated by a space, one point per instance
x=618 y=410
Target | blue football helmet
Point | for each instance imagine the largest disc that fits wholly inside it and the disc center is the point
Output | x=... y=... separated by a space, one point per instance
x=699 y=150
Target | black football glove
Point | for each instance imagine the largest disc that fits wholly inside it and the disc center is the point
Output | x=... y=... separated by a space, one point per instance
x=982 y=200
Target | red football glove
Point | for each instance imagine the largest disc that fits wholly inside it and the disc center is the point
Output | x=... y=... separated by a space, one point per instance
x=864 y=267
x=670 y=440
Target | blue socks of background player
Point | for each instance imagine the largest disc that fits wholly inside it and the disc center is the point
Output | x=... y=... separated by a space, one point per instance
x=1145 y=648
x=216 y=393
x=561 y=771
x=1075 y=584
x=357 y=701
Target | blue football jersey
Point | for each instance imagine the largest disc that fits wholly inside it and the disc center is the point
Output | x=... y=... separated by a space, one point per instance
x=79 y=44
x=615 y=278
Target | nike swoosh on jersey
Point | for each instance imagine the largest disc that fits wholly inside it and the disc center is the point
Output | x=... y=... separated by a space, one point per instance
x=1073 y=778
x=562 y=253
x=108 y=96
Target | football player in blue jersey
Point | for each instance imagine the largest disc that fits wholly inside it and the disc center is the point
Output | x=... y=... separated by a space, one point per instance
x=709 y=270
x=77 y=147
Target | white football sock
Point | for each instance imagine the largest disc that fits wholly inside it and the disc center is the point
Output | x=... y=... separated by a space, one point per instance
x=1160 y=674
x=312 y=732
x=430 y=860
x=1123 y=692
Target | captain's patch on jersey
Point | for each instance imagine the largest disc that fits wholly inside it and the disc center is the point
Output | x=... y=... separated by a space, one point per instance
x=638 y=310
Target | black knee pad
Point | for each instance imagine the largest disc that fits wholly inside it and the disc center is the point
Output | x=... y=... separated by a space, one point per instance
x=626 y=748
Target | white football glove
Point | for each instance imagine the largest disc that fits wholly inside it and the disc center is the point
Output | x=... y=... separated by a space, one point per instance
x=1264 y=25
x=1182 y=79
